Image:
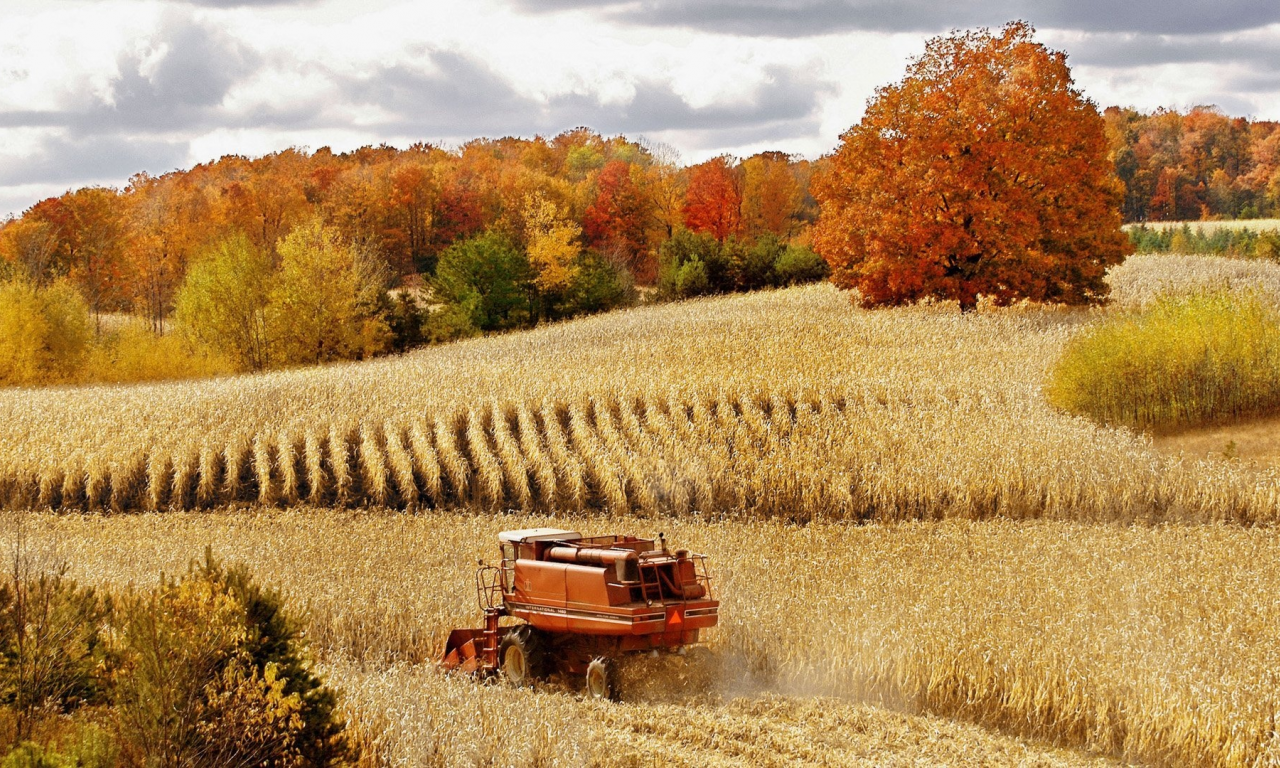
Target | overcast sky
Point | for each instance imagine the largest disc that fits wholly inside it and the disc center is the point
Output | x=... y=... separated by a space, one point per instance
x=92 y=91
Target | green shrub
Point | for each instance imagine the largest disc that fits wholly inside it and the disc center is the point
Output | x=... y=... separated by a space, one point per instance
x=405 y=319
x=88 y=746
x=53 y=645
x=677 y=253
x=692 y=280
x=1241 y=242
x=798 y=264
x=1186 y=360
x=599 y=285
x=29 y=755
x=214 y=673
x=450 y=323
x=753 y=263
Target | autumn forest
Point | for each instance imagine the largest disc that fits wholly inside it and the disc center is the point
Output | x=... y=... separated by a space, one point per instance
x=501 y=233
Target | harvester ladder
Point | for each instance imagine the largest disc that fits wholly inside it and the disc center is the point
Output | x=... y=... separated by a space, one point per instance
x=650 y=590
x=488 y=650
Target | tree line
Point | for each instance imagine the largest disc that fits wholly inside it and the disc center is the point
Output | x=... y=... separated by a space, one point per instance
x=421 y=245
x=1200 y=164
x=130 y=249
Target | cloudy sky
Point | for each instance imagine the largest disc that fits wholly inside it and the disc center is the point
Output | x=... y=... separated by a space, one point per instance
x=92 y=91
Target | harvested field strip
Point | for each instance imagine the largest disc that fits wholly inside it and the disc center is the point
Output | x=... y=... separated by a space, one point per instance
x=407 y=717
x=1156 y=644
x=817 y=455
x=493 y=458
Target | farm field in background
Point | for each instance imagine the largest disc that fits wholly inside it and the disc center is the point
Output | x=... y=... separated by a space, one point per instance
x=789 y=403
x=1257 y=225
x=1159 y=644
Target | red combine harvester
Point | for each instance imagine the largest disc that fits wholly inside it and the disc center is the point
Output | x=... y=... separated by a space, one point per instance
x=584 y=601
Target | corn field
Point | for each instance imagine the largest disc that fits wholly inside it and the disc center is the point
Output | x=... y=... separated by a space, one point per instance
x=989 y=608
x=790 y=404
x=1156 y=645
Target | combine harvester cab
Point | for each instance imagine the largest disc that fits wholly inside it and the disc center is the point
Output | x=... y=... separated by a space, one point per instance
x=581 y=603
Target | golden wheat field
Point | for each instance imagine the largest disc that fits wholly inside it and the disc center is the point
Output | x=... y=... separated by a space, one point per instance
x=1157 y=644
x=789 y=403
x=920 y=561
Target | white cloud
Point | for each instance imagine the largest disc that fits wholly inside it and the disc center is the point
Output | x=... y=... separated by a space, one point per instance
x=89 y=89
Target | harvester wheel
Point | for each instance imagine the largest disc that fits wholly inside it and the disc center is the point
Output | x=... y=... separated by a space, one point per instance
x=521 y=656
x=602 y=681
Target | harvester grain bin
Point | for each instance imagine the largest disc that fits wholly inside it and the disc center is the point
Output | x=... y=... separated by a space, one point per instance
x=580 y=603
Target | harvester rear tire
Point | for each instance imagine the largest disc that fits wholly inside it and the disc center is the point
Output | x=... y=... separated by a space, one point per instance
x=602 y=679
x=521 y=656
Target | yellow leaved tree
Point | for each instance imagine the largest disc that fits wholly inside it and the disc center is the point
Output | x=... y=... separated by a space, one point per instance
x=553 y=243
x=323 y=301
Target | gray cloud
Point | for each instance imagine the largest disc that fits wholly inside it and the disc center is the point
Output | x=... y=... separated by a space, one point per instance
x=804 y=18
x=1254 y=83
x=183 y=90
x=464 y=98
x=186 y=87
x=67 y=160
x=1119 y=50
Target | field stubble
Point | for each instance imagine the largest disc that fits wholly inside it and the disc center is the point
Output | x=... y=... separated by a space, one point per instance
x=787 y=403
x=1157 y=644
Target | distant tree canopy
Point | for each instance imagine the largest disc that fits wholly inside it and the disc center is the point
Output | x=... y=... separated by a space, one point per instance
x=130 y=249
x=1198 y=165
x=983 y=173
x=304 y=257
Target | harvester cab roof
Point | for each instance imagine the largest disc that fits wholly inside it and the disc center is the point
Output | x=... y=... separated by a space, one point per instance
x=538 y=534
x=581 y=602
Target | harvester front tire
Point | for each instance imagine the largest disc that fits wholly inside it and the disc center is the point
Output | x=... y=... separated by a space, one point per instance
x=521 y=656
x=602 y=679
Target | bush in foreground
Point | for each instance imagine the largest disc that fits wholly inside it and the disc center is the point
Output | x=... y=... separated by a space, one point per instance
x=1186 y=360
x=204 y=671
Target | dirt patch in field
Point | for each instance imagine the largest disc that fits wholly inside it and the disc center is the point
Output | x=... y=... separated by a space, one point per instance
x=1256 y=441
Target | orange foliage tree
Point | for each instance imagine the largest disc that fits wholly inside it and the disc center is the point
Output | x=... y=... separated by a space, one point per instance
x=91 y=230
x=983 y=173
x=713 y=202
x=770 y=194
x=617 y=219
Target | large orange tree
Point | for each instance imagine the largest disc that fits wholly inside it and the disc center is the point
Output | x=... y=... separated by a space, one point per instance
x=983 y=173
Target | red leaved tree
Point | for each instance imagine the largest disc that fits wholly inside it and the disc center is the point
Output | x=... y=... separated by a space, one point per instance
x=713 y=202
x=983 y=173
x=616 y=221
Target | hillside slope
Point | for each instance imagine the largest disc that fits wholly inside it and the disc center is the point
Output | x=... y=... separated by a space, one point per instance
x=789 y=402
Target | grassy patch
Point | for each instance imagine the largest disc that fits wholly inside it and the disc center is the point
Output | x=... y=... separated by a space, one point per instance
x=1186 y=360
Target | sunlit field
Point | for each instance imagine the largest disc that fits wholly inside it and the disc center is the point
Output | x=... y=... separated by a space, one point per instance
x=1158 y=644
x=789 y=403
x=920 y=561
